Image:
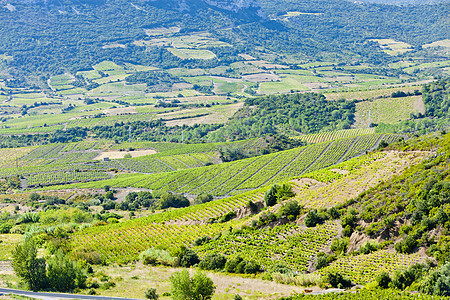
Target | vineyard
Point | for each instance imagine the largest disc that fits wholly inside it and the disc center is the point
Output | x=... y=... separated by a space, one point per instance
x=126 y=241
x=80 y=157
x=43 y=179
x=365 y=267
x=243 y=175
x=335 y=135
x=347 y=180
x=289 y=245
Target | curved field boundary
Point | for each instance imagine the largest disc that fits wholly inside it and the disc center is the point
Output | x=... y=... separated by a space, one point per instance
x=335 y=135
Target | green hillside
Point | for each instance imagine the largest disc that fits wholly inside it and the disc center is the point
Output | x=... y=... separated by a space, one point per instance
x=251 y=173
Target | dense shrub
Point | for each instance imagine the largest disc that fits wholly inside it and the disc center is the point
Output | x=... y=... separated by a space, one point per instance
x=336 y=280
x=186 y=257
x=203 y=198
x=339 y=246
x=199 y=287
x=270 y=197
x=155 y=256
x=323 y=260
x=173 y=200
x=312 y=218
x=213 y=262
x=383 y=280
x=231 y=264
x=291 y=209
x=202 y=240
x=240 y=266
x=151 y=294
x=437 y=282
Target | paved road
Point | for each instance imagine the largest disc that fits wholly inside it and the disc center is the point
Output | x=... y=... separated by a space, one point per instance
x=58 y=295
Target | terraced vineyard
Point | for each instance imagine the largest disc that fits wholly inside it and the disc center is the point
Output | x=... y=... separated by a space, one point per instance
x=124 y=242
x=364 y=268
x=291 y=245
x=240 y=176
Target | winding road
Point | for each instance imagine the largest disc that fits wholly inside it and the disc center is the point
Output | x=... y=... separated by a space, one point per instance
x=52 y=296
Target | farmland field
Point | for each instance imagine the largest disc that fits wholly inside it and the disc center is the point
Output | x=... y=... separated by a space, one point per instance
x=192 y=54
x=387 y=110
x=252 y=173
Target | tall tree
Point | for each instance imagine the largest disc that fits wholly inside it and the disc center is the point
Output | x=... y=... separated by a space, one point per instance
x=28 y=266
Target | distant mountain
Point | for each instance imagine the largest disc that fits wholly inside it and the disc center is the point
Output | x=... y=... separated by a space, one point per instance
x=243 y=8
x=248 y=9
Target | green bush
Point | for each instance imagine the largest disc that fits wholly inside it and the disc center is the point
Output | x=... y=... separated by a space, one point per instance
x=155 y=256
x=383 y=280
x=202 y=240
x=369 y=247
x=203 y=198
x=64 y=274
x=252 y=267
x=323 y=260
x=172 y=200
x=312 y=218
x=28 y=267
x=407 y=245
x=186 y=257
x=151 y=294
x=282 y=269
x=402 y=280
x=291 y=208
x=199 y=287
x=270 y=197
x=213 y=262
x=5 y=227
x=231 y=264
x=339 y=246
x=336 y=280
x=239 y=266
x=437 y=282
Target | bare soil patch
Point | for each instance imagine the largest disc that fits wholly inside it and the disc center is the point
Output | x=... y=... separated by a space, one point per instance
x=339 y=171
x=6 y=268
x=262 y=77
x=316 y=85
x=247 y=57
x=120 y=154
x=419 y=105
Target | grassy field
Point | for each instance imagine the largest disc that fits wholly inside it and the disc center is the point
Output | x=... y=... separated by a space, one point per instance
x=192 y=53
x=371 y=94
x=393 y=47
x=387 y=110
x=8 y=242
